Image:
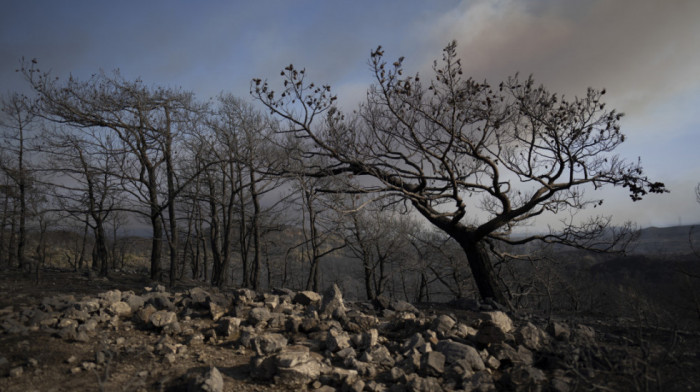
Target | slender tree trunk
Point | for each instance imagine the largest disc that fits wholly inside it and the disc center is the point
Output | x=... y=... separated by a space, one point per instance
x=170 y=172
x=22 y=238
x=101 y=252
x=11 y=251
x=243 y=232
x=313 y=282
x=255 y=223
x=5 y=210
x=156 y=244
x=81 y=259
x=368 y=278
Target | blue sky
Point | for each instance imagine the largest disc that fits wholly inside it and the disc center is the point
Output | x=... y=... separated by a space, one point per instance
x=646 y=53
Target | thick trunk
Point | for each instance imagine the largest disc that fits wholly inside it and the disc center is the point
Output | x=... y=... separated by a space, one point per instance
x=482 y=269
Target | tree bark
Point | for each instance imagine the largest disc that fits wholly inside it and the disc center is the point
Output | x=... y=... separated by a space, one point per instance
x=156 y=245
x=481 y=268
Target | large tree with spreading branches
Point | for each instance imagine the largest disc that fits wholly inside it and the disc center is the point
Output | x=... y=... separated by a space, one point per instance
x=475 y=160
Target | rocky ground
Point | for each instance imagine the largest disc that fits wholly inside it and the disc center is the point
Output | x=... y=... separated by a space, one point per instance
x=72 y=333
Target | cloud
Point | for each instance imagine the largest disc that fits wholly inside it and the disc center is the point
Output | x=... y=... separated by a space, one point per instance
x=642 y=51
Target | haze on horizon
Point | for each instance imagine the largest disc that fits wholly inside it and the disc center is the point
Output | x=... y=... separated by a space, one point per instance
x=643 y=52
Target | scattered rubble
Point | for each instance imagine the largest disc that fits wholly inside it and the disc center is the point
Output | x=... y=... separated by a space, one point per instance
x=303 y=340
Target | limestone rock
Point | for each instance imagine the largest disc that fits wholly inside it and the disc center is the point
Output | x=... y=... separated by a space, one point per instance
x=432 y=364
x=211 y=381
x=332 y=304
x=162 y=318
x=559 y=331
x=531 y=336
x=120 y=308
x=442 y=324
x=307 y=298
x=460 y=353
x=500 y=320
x=268 y=343
x=258 y=315
x=337 y=340
x=110 y=297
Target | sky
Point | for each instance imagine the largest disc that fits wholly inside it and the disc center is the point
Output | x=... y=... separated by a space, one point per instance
x=645 y=53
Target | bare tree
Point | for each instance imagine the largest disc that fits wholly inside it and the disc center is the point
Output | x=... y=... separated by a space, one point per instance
x=145 y=123
x=16 y=117
x=377 y=238
x=473 y=159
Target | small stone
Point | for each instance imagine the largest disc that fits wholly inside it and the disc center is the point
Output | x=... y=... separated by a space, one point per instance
x=457 y=352
x=337 y=340
x=332 y=304
x=307 y=298
x=559 y=331
x=143 y=315
x=211 y=381
x=120 y=308
x=269 y=343
x=443 y=324
x=162 y=318
x=500 y=320
x=258 y=315
x=110 y=297
x=216 y=311
x=432 y=363
x=16 y=372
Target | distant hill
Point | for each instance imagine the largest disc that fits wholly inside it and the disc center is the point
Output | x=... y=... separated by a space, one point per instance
x=672 y=240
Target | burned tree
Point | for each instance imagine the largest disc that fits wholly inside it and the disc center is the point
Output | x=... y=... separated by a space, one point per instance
x=475 y=160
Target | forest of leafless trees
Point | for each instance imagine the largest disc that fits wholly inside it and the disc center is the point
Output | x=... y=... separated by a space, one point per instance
x=417 y=194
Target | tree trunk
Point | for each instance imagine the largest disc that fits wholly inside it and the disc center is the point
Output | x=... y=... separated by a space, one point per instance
x=255 y=223
x=368 y=278
x=3 y=223
x=482 y=269
x=156 y=246
x=101 y=253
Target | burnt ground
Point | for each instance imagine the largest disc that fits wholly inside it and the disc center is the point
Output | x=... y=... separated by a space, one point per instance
x=122 y=358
